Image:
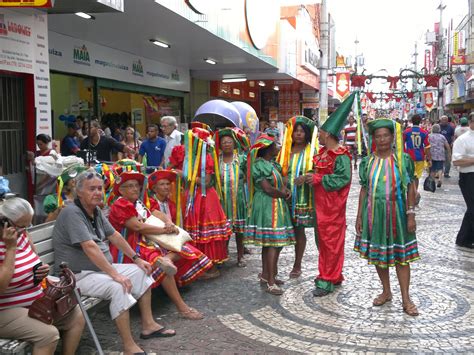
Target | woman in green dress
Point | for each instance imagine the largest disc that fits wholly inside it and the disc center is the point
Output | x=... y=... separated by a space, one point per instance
x=296 y=158
x=385 y=223
x=232 y=143
x=269 y=222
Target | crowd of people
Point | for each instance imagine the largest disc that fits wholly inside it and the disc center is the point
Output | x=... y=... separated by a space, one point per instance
x=215 y=186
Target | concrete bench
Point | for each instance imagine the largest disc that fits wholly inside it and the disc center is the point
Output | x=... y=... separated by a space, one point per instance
x=42 y=238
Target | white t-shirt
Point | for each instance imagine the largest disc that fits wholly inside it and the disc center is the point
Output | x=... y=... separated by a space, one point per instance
x=464 y=148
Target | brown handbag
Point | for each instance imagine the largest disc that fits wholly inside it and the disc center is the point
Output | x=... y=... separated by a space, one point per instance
x=58 y=300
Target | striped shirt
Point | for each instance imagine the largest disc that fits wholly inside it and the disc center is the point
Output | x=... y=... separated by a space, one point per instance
x=350 y=133
x=21 y=291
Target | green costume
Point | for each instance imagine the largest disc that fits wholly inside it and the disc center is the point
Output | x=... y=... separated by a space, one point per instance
x=269 y=223
x=234 y=200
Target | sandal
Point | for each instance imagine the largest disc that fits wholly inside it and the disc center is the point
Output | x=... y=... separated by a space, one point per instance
x=264 y=282
x=274 y=290
x=410 y=309
x=191 y=314
x=209 y=276
x=294 y=274
x=241 y=263
x=381 y=299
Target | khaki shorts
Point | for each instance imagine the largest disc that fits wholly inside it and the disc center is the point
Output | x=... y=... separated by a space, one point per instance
x=15 y=324
x=419 y=167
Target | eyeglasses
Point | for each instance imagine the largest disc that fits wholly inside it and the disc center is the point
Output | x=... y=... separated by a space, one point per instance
x=93 y=174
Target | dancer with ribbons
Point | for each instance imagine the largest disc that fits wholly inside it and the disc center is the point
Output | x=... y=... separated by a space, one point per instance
x=300 y=143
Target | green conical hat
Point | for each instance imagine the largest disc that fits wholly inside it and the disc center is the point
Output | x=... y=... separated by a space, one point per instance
x=337 y=120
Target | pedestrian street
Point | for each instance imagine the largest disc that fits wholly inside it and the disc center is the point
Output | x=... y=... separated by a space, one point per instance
x=242 y=318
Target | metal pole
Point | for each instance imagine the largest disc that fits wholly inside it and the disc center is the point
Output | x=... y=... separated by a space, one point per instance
x=89 y=323
x=441 y=54
x=323 y=87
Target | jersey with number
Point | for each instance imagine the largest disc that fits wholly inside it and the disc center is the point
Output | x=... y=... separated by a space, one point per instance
x=415 y=142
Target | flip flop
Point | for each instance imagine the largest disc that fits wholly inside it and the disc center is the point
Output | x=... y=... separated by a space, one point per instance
x=410 y=309
x=274 y=290
x=295 y=274
x=264 y=282
x=380 y=300
x=160 y=333
x=191 y=314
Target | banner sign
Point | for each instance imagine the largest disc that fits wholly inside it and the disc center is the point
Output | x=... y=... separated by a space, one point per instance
x=27 y=3
x=429 y=101
x=72 y=55
x=24 y=49
x=342 y=85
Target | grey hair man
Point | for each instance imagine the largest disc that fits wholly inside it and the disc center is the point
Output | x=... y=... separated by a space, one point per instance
x=81 y=235
x=169 y=125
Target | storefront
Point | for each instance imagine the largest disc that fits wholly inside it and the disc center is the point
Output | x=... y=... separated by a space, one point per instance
x=115 y=86
x=24 y=93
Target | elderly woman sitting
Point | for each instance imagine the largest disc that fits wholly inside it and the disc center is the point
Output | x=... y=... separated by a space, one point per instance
x=20 y=286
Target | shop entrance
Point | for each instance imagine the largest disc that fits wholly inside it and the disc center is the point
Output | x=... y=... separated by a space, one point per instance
x=12 y=132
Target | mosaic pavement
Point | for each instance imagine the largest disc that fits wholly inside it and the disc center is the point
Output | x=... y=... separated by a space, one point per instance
x=242 y=318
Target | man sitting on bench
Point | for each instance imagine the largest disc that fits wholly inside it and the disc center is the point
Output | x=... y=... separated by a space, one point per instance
x=79 y=238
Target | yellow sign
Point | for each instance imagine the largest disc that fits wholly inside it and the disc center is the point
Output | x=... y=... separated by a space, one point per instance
x=455 y=44
x=26 y=3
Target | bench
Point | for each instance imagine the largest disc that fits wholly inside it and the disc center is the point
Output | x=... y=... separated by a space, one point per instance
x=42 y=238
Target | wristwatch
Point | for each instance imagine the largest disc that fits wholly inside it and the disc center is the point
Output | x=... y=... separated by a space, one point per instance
x=136 y=257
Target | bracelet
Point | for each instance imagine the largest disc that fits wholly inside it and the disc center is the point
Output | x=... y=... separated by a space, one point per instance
x=411 y=211
x=136 y=257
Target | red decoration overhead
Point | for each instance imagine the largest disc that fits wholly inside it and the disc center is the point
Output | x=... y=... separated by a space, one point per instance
x=432 y=80
x=370 y=96
x=410 y=95
x=393 y=81
x=398 y=99
x=390 y=95
x=358 y=81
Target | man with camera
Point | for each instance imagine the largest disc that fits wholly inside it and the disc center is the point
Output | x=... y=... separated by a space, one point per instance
x=80 y=237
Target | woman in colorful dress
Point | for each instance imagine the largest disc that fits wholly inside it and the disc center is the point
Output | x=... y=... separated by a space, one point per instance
x=192 y=262
x=296 y=159
x=127 y=215
x=385 y=223
x=232 y=167
x=204 y=219
x=269 y=222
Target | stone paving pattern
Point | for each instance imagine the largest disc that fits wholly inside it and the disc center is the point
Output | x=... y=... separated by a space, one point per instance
x=242 y=318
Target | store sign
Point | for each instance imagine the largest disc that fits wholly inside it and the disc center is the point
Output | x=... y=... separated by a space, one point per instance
x=24 y=49
x=72 y=55
x=310 y=56
x=115 y=4
x=27 y=3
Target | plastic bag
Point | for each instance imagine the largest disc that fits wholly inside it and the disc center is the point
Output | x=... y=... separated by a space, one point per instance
x=429 y=184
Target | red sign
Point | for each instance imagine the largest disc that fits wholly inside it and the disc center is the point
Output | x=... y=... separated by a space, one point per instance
x=428 y=61
x=429 y=100
x=343 y=84
x=458 y=60
x=27 y=3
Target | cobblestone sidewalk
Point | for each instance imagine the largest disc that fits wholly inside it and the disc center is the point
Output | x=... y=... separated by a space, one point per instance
x=241 y=318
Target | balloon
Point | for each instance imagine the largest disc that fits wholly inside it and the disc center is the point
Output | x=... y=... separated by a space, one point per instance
x=249 y=118
x=218 y=114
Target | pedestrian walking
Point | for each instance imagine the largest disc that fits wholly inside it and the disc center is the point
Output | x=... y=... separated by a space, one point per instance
x=417 y=145
x=438 y=147
x=463 y=157
x=385 y=224
x=350 y=134
x=447 y=130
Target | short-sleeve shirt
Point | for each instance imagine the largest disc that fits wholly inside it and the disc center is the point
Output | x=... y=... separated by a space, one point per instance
x=437 y=142
x=104 y=148
x=448 y=132
x=69 y=146
x=71 y=229
x=416 y=140
x=350 y=134
x=154 y=151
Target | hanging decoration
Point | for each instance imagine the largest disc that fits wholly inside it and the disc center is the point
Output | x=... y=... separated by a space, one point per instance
x=429 y=100
x=343 y=85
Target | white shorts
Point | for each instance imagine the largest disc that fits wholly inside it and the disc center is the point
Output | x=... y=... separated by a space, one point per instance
x=101 y=285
